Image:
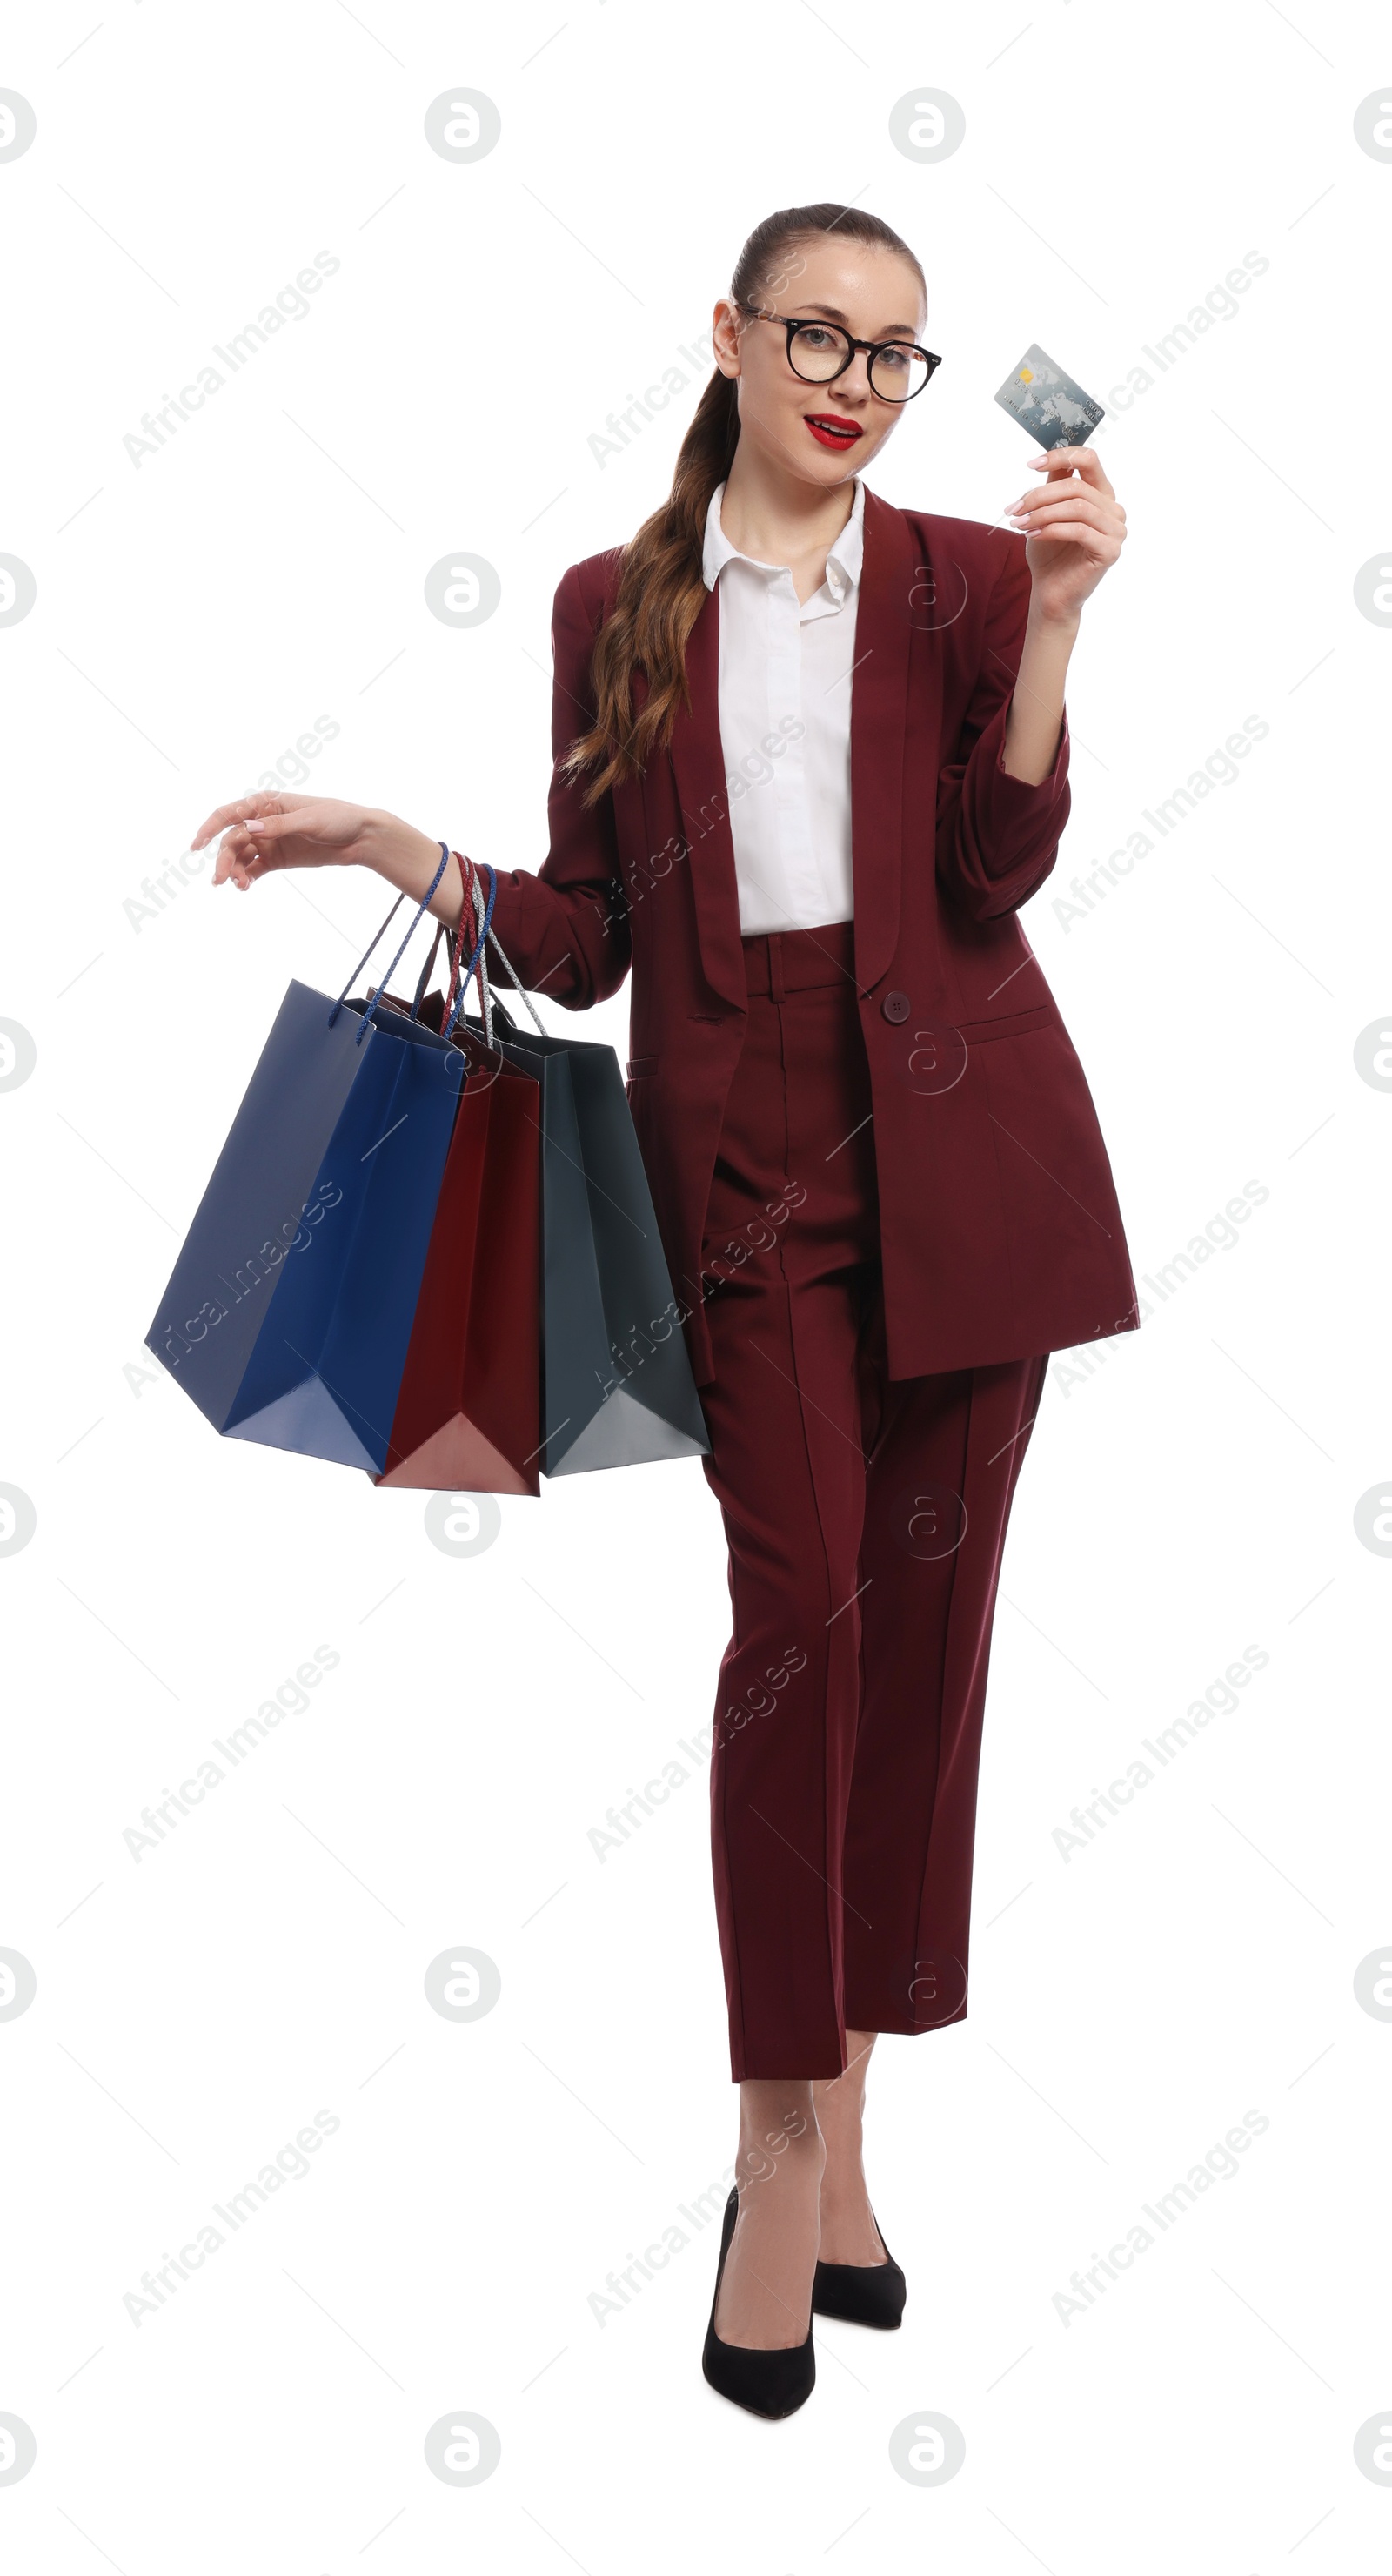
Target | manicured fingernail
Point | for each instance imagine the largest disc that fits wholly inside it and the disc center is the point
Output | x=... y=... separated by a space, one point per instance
x=256 y=827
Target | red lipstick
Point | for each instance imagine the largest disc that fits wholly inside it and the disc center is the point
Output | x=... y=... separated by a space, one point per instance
x=830 y=430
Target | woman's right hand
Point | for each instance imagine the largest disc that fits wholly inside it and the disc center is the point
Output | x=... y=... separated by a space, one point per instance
x=273 y=830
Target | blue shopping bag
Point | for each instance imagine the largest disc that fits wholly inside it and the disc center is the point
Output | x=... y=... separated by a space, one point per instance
x=289 y=1311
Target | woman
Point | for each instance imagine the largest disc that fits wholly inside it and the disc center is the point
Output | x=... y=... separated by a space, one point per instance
x=811 y=757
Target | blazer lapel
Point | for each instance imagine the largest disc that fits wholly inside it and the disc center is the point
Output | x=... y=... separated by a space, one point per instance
x=879 y=728
x=699 y=767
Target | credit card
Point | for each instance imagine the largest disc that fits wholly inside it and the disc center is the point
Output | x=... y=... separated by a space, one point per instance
x=1048 y=403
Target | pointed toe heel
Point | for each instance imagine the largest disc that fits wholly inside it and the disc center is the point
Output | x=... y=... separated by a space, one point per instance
x=770 y=2383
x=861 y=2294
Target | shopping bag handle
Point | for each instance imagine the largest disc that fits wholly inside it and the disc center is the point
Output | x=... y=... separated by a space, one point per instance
x=483 y=928
x=483 y=916
x=517 y=982
x=421 y=910
x=427 y=969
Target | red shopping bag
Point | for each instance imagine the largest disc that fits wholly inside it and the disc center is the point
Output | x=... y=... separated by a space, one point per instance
x=468 y=1414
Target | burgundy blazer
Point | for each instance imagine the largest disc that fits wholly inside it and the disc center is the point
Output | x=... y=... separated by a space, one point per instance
x=1000 y=1231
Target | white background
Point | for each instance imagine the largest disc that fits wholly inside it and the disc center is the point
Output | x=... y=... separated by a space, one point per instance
x=1193 y=1495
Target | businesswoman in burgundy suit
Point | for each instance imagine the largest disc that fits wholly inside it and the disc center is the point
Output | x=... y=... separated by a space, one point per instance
x=811 y=758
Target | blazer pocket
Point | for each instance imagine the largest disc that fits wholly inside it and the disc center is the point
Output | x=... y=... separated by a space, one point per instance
x=1009 y=1024
x=639 y=1065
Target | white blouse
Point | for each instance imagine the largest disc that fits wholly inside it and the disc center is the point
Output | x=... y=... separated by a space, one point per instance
x=785 y=727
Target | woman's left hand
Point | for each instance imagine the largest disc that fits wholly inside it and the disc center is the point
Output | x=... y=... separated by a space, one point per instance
x=1075 y=527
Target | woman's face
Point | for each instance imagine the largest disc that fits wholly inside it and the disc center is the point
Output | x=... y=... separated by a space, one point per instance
x=822 y=433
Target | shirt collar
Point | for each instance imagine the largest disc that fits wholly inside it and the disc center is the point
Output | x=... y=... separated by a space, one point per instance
x=843 y=561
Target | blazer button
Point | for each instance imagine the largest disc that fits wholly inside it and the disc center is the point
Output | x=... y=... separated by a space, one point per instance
x=895 y=1006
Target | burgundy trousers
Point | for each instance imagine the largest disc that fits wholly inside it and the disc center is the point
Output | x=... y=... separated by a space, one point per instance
x=865 y=1518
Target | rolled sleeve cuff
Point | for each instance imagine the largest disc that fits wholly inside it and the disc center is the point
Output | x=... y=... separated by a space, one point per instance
x=1008 y=830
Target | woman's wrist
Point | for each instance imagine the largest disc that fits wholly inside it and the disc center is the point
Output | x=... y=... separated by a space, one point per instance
x=1034 y=724
x=408 y=859
x=1059 y=629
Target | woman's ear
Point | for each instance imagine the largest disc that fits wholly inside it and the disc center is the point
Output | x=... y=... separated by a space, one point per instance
x=726 y=335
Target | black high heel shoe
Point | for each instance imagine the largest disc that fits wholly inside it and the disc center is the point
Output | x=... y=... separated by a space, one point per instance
x=861 y=2294
x=773 y=2382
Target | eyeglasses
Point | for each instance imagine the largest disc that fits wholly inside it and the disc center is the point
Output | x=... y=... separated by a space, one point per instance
x=819 y=352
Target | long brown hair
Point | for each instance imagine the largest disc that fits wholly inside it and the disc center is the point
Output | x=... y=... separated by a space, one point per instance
x=661 y=587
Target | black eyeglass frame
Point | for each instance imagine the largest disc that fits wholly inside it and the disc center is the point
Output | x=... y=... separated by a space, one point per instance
x=873 y=348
